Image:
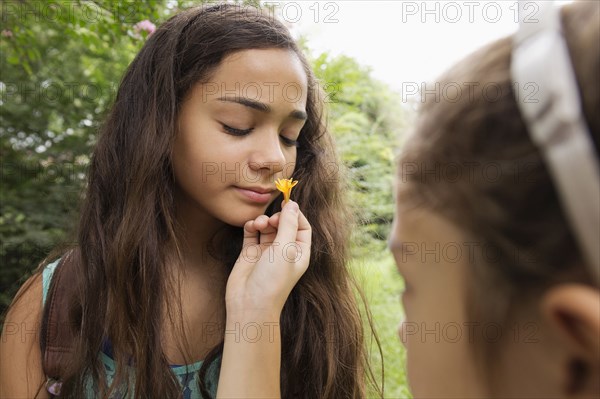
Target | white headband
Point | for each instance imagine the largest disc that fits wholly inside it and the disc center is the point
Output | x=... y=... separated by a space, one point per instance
x=556 y=125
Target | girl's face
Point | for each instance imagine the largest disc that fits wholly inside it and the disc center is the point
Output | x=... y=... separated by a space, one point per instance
x=237 y=135
x=429 y=254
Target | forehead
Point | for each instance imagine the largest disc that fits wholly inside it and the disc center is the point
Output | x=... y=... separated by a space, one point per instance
x=266 y=75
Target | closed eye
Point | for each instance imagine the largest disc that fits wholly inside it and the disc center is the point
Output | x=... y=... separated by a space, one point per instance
x=236 y=132
x=290 y=142
x=242 y=132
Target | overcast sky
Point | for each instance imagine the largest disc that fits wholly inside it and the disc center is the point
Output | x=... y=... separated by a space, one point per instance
x=403 y=41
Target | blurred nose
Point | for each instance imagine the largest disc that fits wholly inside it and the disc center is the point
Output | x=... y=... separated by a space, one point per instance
x=268 y=156
x=402 y=331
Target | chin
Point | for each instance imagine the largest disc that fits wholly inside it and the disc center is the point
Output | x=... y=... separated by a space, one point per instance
x=236 y=223
x=240 y=216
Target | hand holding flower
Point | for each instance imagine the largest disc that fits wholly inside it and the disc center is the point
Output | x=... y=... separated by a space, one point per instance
x=275 y=254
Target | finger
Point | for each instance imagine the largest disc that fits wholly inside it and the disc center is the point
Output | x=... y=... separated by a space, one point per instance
x=274 y=220
x=288 y=224
x=268 y=229
x=304 y=227
x=261 y=222
x=250 y=234
x=268 y=234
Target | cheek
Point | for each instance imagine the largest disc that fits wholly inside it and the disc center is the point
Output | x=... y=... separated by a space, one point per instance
x=291 y=158
x=289 y=168
x=418 y=371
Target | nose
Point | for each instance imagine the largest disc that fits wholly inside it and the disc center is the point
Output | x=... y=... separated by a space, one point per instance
x=402 y=331
x=268 y=155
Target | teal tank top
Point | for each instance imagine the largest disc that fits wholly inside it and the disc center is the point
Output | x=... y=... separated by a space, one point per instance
x=186 y=374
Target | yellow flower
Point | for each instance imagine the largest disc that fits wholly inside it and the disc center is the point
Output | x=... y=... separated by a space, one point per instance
x=285 y=186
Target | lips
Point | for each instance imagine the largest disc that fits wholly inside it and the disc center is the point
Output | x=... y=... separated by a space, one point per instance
x=260 y=190
x=256 y=194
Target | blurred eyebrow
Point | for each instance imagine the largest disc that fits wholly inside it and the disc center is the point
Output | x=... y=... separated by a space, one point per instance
x=262 y=107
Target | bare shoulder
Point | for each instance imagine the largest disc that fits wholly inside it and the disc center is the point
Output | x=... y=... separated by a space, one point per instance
x=21 y=373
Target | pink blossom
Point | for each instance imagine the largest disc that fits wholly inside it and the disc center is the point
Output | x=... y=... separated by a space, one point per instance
x=145 y=25
x=6 y=33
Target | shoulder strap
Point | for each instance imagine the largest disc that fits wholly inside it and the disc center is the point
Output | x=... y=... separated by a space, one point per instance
x=57 y=329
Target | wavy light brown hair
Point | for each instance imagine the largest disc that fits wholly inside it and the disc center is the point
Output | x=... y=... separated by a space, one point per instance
x=513 y=212
x=128 y=227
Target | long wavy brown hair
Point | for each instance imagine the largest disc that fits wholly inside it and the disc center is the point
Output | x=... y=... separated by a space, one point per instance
x=128 y=228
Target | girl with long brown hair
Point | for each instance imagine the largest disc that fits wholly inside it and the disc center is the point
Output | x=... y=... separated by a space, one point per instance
x=192 y=277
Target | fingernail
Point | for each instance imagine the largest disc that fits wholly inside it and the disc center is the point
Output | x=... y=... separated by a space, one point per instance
x=292 y=206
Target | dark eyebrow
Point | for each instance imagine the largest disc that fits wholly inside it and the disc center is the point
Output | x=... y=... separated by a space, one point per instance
x=262 y=107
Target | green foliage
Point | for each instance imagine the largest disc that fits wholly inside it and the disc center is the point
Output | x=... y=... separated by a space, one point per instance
x=382 y=285
x=367 y=120
x=60 y=65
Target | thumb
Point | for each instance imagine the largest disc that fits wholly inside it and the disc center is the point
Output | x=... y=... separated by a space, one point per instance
x=288 y=223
